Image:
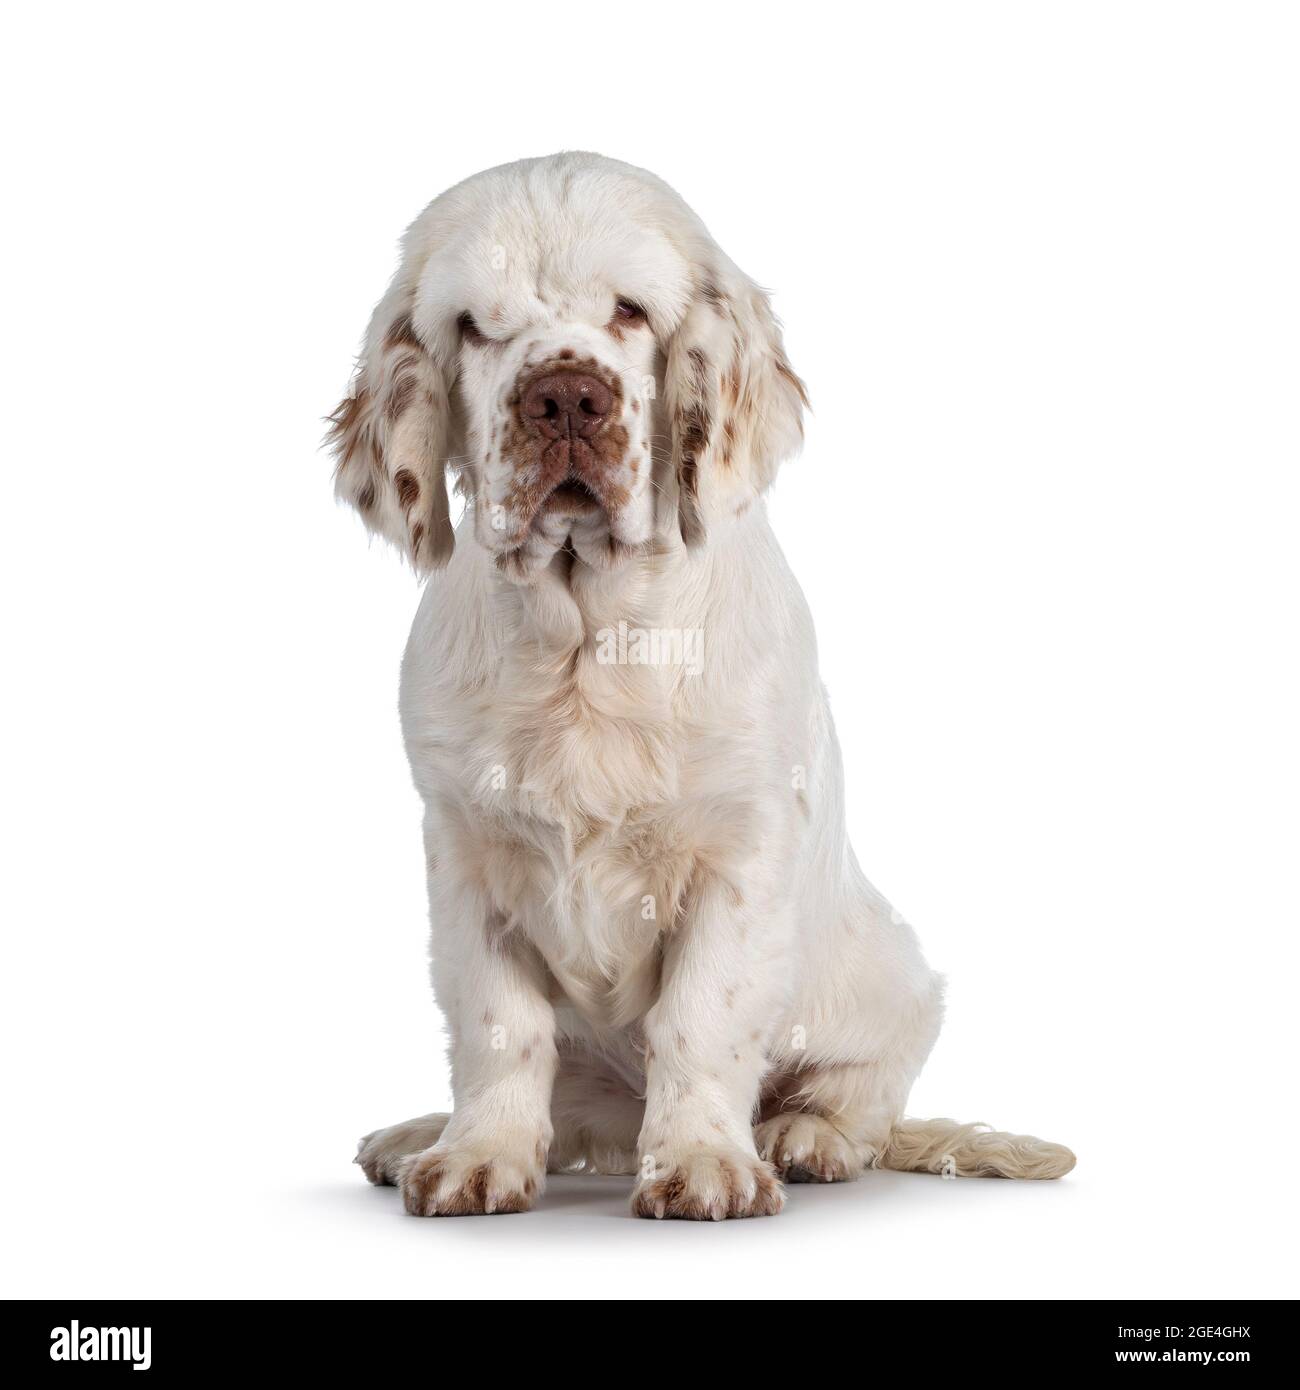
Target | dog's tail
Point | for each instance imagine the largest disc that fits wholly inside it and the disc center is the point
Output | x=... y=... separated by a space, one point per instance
x=956 y=1150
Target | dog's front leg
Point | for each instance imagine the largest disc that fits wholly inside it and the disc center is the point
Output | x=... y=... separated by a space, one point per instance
x=492 y=1155
x=705 y=1059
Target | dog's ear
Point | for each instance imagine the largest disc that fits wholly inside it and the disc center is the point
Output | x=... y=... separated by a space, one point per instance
x=389 y=438
x=735 y=404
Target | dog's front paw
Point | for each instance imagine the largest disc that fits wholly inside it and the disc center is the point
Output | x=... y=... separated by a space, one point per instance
x=708 y=1185
x=469 y=1180
x=807 y=1148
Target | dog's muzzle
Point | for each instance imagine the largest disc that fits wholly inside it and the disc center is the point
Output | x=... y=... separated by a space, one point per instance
x=570 y=414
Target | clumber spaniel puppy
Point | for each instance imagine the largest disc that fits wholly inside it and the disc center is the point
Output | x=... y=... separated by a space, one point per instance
x=653 y=945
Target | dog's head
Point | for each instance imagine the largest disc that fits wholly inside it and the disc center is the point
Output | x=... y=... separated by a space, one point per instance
x=565 y=336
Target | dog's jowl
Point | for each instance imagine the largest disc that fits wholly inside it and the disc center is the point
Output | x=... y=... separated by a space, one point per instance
x=652 y=943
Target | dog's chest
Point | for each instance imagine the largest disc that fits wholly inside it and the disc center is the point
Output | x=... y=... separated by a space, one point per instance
x=586 y=749
x=585 y=841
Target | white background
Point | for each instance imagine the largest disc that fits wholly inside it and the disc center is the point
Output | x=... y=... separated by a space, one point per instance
x=1038 y=264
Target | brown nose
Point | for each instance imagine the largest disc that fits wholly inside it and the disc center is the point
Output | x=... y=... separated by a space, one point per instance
x=566 y=405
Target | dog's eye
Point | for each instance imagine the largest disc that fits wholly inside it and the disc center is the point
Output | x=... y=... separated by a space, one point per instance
x=469 y=330
x=629 y=312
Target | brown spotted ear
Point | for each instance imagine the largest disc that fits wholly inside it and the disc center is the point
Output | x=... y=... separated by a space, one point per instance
x=389 y=438
x=736 y=405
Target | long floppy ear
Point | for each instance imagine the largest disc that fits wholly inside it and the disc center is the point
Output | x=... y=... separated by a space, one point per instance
x=736 y=405
x=389 y=438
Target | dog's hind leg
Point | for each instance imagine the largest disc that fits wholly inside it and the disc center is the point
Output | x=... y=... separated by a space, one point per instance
x=380 y=1154
x=595 y=1109
x=826 y=1121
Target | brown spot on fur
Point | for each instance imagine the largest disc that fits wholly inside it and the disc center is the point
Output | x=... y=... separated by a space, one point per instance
x=405 y=386
x=348 y=425
x=366 y=495
x=729 y=437
x=694 y=427
x=408 y=487
x=476 y=1185
x=401 y=333
x=424 y=1175
x=693 y=434
x=417 y=535
x=669 y=1191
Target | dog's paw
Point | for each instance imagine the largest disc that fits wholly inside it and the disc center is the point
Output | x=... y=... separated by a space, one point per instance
x=708 y=1185
x=807 y=1148
x=469 y=1180
x=382 y=1153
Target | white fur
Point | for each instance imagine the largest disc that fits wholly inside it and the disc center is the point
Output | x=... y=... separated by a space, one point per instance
x=652 y=942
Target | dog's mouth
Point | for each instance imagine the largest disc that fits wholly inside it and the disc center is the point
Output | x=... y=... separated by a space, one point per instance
x=576 y=520
x=571 y=497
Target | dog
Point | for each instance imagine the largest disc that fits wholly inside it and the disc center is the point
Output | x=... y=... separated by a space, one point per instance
x=653 y=945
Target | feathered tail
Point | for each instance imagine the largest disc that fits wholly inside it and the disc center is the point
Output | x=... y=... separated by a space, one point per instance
x=971 y=1151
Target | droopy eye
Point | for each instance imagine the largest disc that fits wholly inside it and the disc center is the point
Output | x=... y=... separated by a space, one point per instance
x=629 y=311
x=469 y=330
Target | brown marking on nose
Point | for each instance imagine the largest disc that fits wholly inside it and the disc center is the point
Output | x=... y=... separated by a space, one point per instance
x=566 y=404
x=546 y=458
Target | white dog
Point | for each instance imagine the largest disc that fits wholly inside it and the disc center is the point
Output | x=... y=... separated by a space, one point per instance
x=655 y=950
